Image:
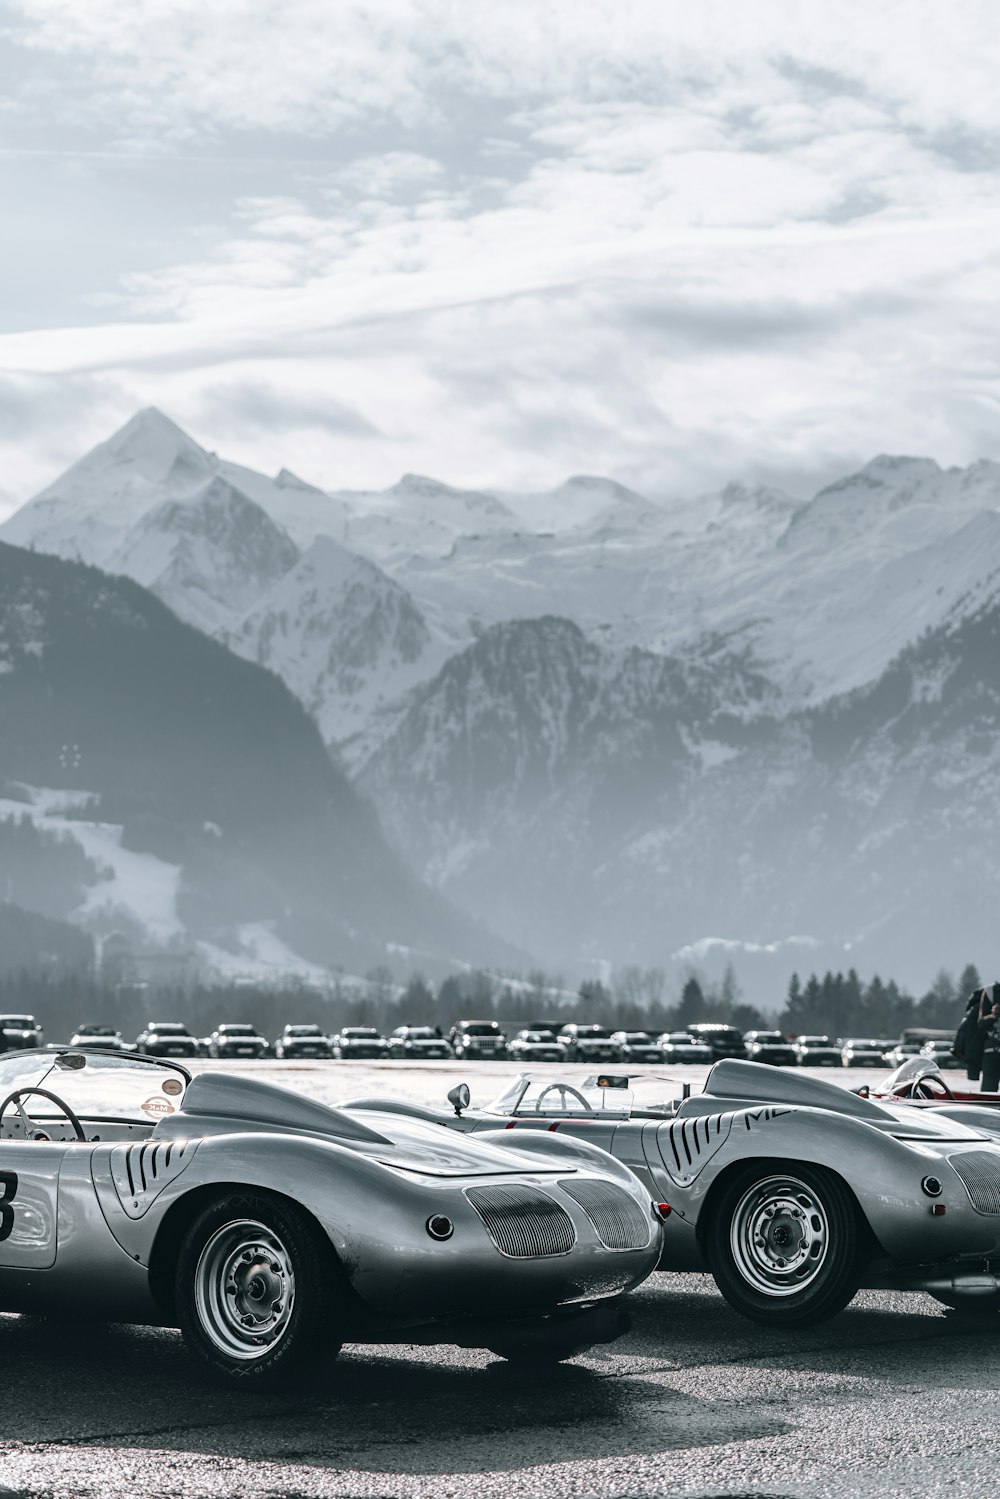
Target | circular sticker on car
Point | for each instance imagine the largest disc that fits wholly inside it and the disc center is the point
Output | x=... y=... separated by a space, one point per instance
x=173 y=1085
x=156 y=1108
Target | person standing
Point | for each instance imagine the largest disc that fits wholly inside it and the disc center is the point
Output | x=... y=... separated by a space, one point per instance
x=968 y=1042
x=989 y=1031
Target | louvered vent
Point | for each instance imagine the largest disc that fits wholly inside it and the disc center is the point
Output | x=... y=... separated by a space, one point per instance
x=980 y=1171
x=617 y=1218
x=522 y=1222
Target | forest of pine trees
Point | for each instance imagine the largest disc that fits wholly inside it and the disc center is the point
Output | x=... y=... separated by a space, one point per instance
x=835 y=1004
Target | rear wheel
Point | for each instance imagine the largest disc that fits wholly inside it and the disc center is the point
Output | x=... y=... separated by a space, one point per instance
x=257 y=1290
x=784 y=1246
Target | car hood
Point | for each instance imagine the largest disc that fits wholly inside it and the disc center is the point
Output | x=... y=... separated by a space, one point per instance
x=217 y=1103
x=733 y=1084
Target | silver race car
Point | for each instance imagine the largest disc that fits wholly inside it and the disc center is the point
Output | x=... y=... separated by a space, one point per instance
x=272 y=1229
x=794 y=1192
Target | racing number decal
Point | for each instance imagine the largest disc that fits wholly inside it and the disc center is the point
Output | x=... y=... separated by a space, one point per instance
x=8 y=1180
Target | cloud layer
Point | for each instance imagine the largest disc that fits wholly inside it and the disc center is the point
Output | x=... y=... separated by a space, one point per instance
x=501 y=244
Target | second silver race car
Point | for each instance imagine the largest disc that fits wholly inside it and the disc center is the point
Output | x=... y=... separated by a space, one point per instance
x=794 y=1192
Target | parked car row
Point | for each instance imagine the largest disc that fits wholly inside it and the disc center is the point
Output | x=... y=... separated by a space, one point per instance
x=485 y=1040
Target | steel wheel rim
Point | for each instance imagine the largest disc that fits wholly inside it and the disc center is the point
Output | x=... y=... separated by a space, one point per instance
x=780 y=1236
x=244 y=1288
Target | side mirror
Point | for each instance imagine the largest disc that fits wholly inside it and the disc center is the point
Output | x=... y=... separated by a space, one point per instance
x=459 y=1097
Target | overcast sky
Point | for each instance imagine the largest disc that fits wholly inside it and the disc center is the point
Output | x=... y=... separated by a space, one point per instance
x=502 y=243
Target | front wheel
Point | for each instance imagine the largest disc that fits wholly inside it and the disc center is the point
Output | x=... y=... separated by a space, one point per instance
x=257 y=1290
x=784 y=1245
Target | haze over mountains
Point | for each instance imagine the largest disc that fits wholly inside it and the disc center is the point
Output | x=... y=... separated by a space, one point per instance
x=612 y=727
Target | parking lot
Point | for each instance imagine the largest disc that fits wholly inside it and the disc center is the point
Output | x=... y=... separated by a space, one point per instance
x=894 y=1394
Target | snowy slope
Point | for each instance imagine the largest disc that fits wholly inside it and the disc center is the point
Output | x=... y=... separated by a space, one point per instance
x=343 y=636
x=209 y=557
x=635 y=808
x=86 y=513
x=824 y=593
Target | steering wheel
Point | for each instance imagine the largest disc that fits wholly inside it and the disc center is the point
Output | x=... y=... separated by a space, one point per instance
x=564 y=1089
x=19 y=1093
x=924 y=1087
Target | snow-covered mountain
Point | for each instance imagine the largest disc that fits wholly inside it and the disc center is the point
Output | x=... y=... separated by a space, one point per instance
x=153 y=783
x=209 y=538
x=343 y=636
x=210 y=557
x=643 y=808
x=824 y=593
x=610 y=722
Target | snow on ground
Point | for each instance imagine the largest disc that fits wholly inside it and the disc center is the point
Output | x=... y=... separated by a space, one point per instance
x=140 y=884
x=262 y=958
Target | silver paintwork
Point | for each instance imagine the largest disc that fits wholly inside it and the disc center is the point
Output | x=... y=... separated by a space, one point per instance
x=753 y=1112
x=100 y=1218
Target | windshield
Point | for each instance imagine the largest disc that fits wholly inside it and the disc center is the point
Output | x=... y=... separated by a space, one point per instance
x=302 y=1030
x=485 y=1029
x=536 y=1036
x=168 y=1027
x=655 y=1097
x=96 y=1030
x=361 y=1030
x=97 y=1086
x=18 y=1022
x=421 y=1033
x=814 y=1041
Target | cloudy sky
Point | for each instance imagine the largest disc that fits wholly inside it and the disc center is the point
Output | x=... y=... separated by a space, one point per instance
x=502 y=243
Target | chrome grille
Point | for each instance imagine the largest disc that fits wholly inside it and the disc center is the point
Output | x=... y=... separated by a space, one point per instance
x=619 y=1221
x=980 y=1171
x=523 y=1222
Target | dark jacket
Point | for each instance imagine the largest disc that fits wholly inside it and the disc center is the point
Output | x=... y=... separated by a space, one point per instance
x=969 y=1037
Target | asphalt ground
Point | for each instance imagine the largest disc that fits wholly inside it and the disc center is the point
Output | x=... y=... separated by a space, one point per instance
x=895 y=1395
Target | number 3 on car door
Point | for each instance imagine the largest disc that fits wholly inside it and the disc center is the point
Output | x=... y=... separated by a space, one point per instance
x=8 y=1181
x=29 y=1180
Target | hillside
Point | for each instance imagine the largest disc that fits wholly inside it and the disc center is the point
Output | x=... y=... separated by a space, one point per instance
x=194 y=782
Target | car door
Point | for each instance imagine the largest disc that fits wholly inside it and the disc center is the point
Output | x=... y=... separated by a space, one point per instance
x=29 y=1195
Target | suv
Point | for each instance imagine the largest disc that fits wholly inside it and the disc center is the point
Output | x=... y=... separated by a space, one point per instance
x=359 y=1041
x=478 y=1040
x=857 y=1053
x=683 y=1048
x=166 y=1038
x=721 y=1040
x=414 y=1043
x=536 y=1046
x=102 y=1037
x=20 y=1033
x=770 y=1046
x=301 y=1041
x=637 y=1046
x=239 y=1040
x=589 y=1043
x=818 y=1051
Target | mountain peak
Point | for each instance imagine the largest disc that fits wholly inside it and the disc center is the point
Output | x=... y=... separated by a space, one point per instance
x=151 y=436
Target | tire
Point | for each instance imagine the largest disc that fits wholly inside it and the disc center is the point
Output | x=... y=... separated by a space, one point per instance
x=805 y=1210
x=291 y=1287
